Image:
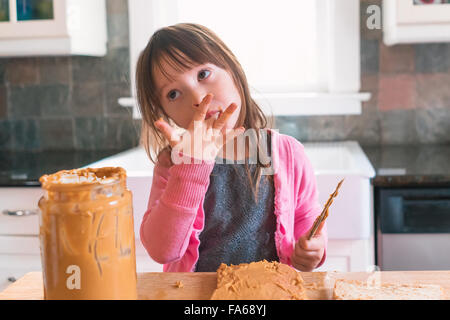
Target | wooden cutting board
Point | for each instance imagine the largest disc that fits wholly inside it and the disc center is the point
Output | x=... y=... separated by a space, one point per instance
x=200 y=286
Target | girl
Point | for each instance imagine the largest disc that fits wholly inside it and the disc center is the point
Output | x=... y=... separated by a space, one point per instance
x=201 y=212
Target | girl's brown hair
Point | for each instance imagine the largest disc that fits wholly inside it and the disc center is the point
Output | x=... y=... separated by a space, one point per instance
x=185 y=45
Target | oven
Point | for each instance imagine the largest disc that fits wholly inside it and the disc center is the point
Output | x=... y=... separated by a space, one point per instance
x=412 y=228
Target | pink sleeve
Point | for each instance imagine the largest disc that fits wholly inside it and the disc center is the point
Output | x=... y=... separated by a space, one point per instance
x=174 y=200
x=308 y=206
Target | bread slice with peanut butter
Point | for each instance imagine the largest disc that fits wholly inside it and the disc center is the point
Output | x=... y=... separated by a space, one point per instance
x=260 y=280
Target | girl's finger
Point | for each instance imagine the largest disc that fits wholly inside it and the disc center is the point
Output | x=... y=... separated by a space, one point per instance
x=210 y=122
x=299 y=263
x=316 y=243
x=200 y=112
x=307 y=255
x=300 y=250
x=303 y=262
x=223 y=118
x=167 y=131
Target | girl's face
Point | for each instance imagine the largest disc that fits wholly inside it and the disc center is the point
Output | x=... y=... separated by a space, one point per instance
x=181 y=97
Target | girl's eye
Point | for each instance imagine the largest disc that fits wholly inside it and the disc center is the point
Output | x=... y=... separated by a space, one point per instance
x=204 y=74
x=172 y=95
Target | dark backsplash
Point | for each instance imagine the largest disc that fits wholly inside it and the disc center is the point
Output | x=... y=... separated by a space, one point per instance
x=64 y=103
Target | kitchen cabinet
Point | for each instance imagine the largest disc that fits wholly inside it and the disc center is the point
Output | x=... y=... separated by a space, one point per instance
x=416 y=21
x=349 y=256
x=19 y=229
x=52 y=27
x=18 y=256
x=19 y=210
x=14 y=267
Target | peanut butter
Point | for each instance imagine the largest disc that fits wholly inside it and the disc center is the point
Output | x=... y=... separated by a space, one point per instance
x=260 y=280
x=87 y=235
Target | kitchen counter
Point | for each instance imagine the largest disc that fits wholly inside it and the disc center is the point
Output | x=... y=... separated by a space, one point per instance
x=200 y=285
x=21 y=169
x=402 y=165
x=410 y=165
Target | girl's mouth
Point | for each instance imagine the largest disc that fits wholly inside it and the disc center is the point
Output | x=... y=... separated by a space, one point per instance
x=212 y=113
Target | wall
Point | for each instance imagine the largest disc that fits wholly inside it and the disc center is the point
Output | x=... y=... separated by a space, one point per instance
x=70 y=102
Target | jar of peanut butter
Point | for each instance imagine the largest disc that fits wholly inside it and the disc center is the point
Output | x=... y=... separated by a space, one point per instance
x=87 y=235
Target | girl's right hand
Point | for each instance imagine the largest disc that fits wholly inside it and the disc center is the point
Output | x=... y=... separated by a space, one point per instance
x=202 y=139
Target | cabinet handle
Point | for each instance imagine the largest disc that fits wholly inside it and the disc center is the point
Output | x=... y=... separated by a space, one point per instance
x=19 y=213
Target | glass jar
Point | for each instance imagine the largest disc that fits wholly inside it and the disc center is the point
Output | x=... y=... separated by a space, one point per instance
x=87 y=235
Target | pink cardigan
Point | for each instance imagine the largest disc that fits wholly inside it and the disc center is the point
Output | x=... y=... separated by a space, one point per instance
x=174 y=219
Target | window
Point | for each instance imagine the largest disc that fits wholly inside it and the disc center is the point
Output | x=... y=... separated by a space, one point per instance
x=301 y=57
x=274 y=58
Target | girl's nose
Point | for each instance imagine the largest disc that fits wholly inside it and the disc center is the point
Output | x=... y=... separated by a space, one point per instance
x=197 y=97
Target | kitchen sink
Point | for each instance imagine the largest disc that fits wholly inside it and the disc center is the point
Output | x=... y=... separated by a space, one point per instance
x=350 y=213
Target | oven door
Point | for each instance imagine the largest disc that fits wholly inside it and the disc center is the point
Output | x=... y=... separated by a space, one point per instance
x=413 y=229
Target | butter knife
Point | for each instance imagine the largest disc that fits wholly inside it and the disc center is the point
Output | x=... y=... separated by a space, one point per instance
x=324 y=213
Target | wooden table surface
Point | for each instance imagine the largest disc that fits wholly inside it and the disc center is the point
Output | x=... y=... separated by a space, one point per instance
x=200 y=285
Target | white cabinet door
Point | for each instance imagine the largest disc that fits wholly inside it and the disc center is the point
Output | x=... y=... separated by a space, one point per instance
x=349 y=256
x=13 y=267
x=417 y=12
x=18 y=256
x=19 y=210
x=414 y=22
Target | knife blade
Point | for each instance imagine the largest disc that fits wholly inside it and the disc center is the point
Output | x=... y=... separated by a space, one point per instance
x=324 y=213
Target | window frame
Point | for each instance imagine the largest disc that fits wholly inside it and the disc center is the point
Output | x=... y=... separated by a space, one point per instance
x=340 y=50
